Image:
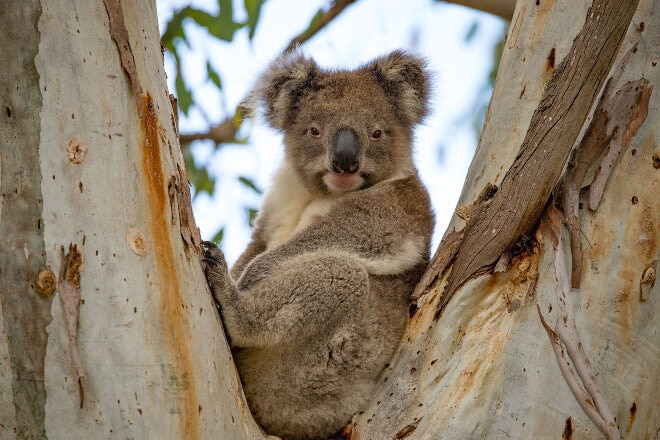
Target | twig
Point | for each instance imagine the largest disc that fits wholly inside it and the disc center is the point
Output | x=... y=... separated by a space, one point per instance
x=222 y=133
x=328 y=16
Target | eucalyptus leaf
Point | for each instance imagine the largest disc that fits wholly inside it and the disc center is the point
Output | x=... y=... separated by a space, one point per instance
x=183 y=94
x=250 y=184
x=213 y=75
x=252 y=215
x=253 y=8
x=217 y=238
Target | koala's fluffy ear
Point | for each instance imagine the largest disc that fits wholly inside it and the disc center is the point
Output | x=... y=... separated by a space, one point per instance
x=405 y=82
x=282 y=86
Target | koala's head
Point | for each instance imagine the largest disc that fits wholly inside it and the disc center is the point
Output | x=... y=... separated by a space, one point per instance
x=345 y=130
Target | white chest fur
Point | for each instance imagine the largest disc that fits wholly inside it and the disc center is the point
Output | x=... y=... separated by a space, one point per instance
x=289 y=208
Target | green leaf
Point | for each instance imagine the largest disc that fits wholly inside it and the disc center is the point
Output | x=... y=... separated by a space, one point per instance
x=313 y=24
x=250 y=184
x=253 y=8
x=198 y=176
x=174 y=30
x=213 y=75
x=252 y=215
x=204 y=182
x=183 y=95
x=222 y=25
x=217 y=238
x=472 y=31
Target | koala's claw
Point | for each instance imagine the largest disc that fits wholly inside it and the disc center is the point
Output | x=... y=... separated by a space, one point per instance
x=212 y=251
x=213 y=256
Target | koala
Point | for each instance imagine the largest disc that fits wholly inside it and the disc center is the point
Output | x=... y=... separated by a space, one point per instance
x=316 y=305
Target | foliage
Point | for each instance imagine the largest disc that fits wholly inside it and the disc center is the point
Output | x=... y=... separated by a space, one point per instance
x=221 y=26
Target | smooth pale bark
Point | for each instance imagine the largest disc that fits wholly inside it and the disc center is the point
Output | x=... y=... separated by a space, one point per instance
x=90 y=157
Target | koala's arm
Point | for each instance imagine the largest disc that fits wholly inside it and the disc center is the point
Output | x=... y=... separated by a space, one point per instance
x=386 y=229
x=286 y=306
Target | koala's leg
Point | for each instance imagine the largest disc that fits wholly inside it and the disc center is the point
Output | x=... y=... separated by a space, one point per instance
x=300 y=297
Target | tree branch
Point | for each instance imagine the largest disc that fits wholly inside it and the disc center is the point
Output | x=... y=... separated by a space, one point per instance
x=515 y=209
x=501 y=8
x=222 y=133
x=337 y=7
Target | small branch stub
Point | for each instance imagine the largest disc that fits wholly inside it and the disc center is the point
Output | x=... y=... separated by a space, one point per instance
x=76 y=150
x=137 y=242
x=46 y=283
x=647 y=281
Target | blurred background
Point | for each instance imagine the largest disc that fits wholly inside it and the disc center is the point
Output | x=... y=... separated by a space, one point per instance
x=214 y=50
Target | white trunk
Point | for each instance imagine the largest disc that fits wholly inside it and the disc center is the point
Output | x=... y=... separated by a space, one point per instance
x=152 y=356
x=86 y=160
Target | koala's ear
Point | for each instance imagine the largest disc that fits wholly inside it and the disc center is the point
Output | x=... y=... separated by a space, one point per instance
x=281 y=87
x=405 y=82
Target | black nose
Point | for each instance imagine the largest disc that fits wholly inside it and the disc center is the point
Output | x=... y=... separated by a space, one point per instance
x=345 y=157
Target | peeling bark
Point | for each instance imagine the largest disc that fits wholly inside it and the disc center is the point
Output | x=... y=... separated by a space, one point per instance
x=614 y=110
x=79 y=163
x=71 y=267
x=120 y=36
x=566 y=339
x=625 y=114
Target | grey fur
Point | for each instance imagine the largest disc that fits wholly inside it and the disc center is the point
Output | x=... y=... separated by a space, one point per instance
x=315 y=306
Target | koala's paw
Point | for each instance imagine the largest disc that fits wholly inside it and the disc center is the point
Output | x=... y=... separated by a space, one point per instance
x=212 y=253
x=215 y=268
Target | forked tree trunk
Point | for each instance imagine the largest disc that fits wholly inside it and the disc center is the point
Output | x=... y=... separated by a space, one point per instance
x=95 y=203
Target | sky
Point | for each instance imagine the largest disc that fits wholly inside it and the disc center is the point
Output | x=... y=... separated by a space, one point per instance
x=458 y=43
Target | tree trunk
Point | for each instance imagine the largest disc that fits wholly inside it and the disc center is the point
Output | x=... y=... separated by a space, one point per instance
x=477 y=361
x=107 y=328
x=90 y=158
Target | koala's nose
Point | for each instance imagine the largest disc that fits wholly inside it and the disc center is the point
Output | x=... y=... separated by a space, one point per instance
x=345 y=157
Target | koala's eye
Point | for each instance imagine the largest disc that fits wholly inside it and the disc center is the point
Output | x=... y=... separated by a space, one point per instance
x=377 y=134
x=314 y=132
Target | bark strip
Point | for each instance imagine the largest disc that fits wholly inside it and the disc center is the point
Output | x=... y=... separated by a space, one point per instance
x=617 y=114
x=26 y=313
x=555 y=125
x=119 y=34
x=71 y=267
x=566 y=340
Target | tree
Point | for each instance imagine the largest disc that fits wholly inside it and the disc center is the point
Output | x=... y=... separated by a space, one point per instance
x=94 y=185
x=107 y=326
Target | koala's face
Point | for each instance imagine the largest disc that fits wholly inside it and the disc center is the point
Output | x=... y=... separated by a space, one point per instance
x=346 y=130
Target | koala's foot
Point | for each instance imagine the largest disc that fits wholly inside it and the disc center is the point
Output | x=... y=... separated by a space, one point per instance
x=215 y=269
